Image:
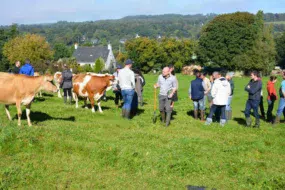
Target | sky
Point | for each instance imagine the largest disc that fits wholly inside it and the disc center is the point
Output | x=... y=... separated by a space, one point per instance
x=50 y=11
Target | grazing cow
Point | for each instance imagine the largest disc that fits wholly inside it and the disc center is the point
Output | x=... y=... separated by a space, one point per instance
x=37 y=74
x=91 y=86
x=21 y=89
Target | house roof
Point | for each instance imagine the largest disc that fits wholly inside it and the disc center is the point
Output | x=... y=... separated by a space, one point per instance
x=90 y=54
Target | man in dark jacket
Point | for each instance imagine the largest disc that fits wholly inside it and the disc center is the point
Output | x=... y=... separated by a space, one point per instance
x=196 y=93
x=16 y=68
x=27 y=69
x=66 y=83
x=253 y=88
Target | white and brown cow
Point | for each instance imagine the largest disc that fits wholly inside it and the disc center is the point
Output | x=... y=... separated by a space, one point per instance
x=21 y=89
x=91 y=86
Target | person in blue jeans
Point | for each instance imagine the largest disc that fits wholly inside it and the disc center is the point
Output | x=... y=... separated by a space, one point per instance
x=253 y=88
x=127 y=84
x=229 y=77
x=27 y=69
x=196 y=94
x=281 y=106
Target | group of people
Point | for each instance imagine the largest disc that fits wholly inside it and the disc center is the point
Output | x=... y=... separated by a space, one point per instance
x=26 y=69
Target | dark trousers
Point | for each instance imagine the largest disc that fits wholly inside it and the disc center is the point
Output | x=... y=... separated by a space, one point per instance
x=261 y=106
x=222 y=110
x=118 y=97
x=67 y=92
x=251 y=104
x=270 y=109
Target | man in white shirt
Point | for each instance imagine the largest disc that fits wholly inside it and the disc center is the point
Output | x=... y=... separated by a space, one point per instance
x=220 y=92
x=127 y=84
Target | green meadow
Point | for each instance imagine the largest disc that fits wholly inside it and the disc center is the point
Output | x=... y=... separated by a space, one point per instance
x=68 y=148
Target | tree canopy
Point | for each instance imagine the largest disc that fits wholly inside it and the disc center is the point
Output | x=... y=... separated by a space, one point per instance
x=238 y=41
x=30 y=46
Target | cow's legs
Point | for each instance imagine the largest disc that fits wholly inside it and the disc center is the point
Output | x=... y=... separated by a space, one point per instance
x=7 y=112
x=91 y=99
x=85 y=103
x=75 y=97
x=28 y=111
x=58 y=92
x=99 y=106
x=18 y=105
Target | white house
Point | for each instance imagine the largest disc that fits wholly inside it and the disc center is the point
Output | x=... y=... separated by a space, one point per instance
x=88 y=55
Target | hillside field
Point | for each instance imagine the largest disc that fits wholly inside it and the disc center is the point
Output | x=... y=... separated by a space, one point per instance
x=76 y=149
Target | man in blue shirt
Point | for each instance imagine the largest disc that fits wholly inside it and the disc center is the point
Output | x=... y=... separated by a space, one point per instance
x=27 y=69
x=281 y=106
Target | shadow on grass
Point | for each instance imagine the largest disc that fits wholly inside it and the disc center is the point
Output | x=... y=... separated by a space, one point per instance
x=240 y=121
x=37 y=117
x=47 y=95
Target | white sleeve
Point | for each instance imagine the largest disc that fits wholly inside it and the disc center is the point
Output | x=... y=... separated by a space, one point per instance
x=214 y=90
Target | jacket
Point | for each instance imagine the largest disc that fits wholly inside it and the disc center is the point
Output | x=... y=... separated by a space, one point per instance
x=27 y=69
x=272 y=95
x=221 y=91
x=196 y=89
x=139 y=84
x=254 y=90
x=66 y=79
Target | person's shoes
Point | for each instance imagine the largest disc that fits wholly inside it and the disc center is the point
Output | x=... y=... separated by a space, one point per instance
x=162 y=113
x=168 y=118
x=223 y=122
x=257 y=123
x=196 y=114
x=277 y=120
x=127 y=114
x=248 y=122
x=65 y=99
x=208 y=121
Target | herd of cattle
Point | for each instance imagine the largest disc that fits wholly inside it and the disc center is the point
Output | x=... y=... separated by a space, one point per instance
x=20 y=90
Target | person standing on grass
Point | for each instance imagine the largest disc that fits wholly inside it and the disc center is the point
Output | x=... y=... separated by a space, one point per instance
x=175 y=96
x=208 y=87
x=140 y=82
x=272 y=97
x=281 y=107
x=196 y=94
x=253 y=88
x=229 y=77
x=116 y=87
x=66 y=84
x=127 y=84
x=220 y=92
x=27 y=69
x=167 y=84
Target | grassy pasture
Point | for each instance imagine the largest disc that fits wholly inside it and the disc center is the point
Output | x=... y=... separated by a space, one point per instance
x=75 y=149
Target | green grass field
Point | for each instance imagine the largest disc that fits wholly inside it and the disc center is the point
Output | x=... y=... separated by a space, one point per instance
x=75 y=149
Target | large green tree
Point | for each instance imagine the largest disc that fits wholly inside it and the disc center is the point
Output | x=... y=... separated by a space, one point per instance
x=29 y=46
x=238 y=41
x=61 y=51
x=280 y=47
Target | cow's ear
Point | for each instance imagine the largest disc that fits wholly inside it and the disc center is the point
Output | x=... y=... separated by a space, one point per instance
x=48 y=77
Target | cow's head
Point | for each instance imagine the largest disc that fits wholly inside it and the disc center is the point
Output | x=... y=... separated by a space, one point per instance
x=47 y=84
x=112 y=81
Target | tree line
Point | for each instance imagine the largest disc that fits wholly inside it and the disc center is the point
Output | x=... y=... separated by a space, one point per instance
x=238 y=41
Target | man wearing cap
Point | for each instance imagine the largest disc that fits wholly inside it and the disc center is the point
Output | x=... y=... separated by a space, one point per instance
x=127 y=84
x=168 y=85
x=116 y=87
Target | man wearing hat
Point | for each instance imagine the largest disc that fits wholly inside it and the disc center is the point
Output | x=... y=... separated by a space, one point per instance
x=116 y=87
x=127 y=84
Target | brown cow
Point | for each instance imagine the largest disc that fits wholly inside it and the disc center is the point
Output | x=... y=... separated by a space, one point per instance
x=91 y=86
x=21 y=89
